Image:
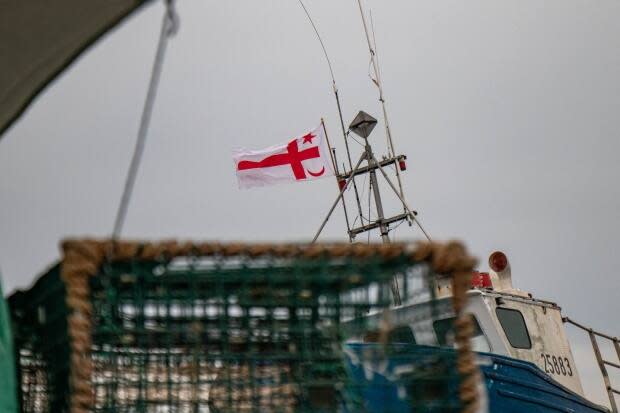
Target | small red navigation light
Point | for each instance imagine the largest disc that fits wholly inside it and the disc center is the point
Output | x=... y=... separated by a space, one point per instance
x=341 y=184
x=481 y=280
x=402 y=165
x=498 y=261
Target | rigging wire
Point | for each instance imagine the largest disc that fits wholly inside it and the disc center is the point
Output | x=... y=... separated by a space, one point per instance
x=356 y=140
x=376 y=56
x=169 y=28
x=369 y=217
x=374 y=42
x=362 y=217
x=365 y=219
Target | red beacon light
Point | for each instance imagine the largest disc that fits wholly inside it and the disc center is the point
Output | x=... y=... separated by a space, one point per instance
x=498 y=261
x=481 y=280
x=402 y=164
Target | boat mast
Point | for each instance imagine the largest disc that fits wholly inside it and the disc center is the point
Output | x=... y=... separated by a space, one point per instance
x=362 y=125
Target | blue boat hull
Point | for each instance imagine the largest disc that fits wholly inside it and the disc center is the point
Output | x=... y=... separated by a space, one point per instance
x=515 y=386
x=392 y=379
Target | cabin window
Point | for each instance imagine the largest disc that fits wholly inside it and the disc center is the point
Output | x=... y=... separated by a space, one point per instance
x=513 y=323
x=444 y=330
x=402 y=334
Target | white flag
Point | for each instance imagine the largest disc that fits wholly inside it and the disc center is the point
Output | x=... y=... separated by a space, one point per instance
x=302 y=159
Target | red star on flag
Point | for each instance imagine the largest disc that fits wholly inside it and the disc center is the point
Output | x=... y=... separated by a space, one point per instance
x=308 y=138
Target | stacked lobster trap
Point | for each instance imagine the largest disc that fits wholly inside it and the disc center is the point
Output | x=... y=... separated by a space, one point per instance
x=157 y=328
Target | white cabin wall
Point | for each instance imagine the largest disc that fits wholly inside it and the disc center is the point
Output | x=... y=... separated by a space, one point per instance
x=478 y=306
x=548 y=338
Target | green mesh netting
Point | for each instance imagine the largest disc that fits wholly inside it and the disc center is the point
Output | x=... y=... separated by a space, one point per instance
x=238 y=334
x=41 y=344
x=8 y=389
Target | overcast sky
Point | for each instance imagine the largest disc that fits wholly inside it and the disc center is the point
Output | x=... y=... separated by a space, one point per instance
x=508 y=111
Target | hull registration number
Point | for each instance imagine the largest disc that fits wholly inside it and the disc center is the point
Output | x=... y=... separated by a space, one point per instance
x=556 y=365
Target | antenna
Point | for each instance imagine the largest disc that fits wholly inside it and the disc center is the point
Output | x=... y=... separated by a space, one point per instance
x=372 y=46
x=363 y=125
x=344 y=132
x=379 y=84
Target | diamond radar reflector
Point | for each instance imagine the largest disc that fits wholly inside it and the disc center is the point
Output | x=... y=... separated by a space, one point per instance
x=363 y=124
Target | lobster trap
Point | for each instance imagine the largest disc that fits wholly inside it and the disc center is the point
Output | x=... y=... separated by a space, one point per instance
x=196 y=328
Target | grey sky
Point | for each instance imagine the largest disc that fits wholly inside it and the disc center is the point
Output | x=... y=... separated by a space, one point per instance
x=509 y=113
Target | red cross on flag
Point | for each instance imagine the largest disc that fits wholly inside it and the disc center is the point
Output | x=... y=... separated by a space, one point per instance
x=302 y=159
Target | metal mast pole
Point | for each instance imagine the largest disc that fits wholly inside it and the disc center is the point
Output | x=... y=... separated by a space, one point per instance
x=340 y=194
x=377 y=195
x=362 y=125
x=346 y=144
x=383 y=228
x=332 y=155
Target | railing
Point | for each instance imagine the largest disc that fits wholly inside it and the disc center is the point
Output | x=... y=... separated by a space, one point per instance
x=602 y=363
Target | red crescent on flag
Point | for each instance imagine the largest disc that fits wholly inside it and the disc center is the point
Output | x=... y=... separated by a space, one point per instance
x=321 y=172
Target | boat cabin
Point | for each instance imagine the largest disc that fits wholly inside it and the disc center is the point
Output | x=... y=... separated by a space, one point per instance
x=507 y=322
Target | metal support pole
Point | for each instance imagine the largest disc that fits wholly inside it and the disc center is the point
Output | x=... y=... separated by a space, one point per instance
x=402 y=199
x=601 y=364
x=377 y=195
x=331 y=210
x=380 y=216
x=335 y=167
x=346 y=144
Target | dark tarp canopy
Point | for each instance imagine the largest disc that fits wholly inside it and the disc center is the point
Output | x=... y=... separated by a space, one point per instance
x=41 y=38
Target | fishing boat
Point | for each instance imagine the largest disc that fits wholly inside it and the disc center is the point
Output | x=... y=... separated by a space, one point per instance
x=522 y=349
x=523 y=359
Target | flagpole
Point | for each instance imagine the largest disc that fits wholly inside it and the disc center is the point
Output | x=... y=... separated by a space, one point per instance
x=335 y=167
x=346 y=145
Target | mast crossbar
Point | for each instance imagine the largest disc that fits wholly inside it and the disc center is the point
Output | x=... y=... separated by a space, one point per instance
x=368 y=168
x=376 y=224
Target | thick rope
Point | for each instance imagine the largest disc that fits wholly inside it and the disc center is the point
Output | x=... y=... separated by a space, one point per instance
x=452 y=259
x=168 y=29
x=82 y=259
